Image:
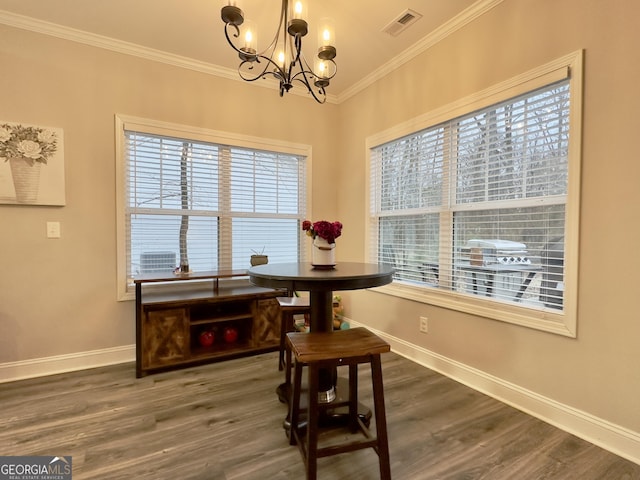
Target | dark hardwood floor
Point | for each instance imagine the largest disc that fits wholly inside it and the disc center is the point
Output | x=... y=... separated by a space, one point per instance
x=224 y=422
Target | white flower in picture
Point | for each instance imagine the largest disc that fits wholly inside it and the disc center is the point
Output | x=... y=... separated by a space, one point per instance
x=27 y=148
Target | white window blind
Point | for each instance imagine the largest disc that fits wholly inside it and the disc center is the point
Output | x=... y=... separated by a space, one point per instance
x=228 y=201
x=476 y=205
x=408 y=186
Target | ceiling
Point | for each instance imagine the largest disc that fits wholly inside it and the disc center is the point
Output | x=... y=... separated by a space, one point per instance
x=192 y=29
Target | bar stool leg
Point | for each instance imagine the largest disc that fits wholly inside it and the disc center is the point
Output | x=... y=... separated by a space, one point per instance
x=294 y=403
x=287 y=373
x=381 y=420
x=285 y=321
x=311 y=457
x=353 y=397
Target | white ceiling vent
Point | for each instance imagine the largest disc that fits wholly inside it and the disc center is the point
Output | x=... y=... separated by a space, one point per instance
x=402 y=22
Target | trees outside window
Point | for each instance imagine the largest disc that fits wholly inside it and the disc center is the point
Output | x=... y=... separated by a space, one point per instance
x=193 y=202
x=476 y=208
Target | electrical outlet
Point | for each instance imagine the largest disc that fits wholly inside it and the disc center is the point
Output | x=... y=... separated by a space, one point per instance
x=424 y=324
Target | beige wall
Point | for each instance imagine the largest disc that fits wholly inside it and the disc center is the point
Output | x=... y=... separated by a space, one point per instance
x=598 y=371
x=58 y=297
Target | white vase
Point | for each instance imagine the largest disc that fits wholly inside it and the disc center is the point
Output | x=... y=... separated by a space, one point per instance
x=323 y=253
x=26 y=179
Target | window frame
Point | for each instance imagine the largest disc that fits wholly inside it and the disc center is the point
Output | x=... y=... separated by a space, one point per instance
x=559 y=322
x=123 y=123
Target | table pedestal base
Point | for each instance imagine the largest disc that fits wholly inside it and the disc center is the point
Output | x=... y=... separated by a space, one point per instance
x=338 y=416
x=328 y=396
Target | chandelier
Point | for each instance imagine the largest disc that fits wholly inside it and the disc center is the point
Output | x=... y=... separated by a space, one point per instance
x=283 y=58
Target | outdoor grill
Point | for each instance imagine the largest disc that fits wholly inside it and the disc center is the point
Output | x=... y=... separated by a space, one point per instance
x=491 y=252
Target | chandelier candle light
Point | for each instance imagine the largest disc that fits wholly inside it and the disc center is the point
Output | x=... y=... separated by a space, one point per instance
x=324 y=236
x=283 y=58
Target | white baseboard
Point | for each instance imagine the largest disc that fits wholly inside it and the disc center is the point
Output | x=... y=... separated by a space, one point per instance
x=614 y=438
x=39 y=367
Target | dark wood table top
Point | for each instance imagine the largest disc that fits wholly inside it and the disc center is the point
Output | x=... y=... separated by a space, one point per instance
x=304 y=277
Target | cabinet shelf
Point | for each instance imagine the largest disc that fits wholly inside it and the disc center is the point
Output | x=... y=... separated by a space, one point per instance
x=225 y=318
x=169 y=322
x=218 y=349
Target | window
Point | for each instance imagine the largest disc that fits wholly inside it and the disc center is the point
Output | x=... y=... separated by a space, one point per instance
x=476 y=209
x=205 y=199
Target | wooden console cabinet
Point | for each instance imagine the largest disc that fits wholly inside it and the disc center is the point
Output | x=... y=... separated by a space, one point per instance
x=169 y=321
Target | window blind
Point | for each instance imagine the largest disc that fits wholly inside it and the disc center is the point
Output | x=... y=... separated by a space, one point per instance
x=409 y=180
x=211 y=205
x=476 y=205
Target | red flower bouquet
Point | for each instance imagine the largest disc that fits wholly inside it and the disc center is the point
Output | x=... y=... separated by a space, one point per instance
x=323 y=229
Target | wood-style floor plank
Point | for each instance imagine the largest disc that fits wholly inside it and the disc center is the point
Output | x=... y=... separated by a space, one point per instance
x=223 y=422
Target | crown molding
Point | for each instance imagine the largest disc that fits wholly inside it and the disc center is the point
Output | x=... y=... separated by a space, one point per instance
x=135 y=50
x=108 y=43
x=463 y=18
x=100 y=41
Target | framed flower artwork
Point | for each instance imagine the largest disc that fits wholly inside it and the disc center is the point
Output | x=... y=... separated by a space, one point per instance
x=31 y=165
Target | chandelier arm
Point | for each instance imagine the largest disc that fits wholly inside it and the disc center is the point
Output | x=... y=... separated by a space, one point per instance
x=235 y=27
x=322 y=97
x=325 y=77
x=278 y=73
x=298 y=45
x=335 y=70
x=272 y=46
x=304 y=65
x=236 y=35
x=304 y=74
x=283 y=87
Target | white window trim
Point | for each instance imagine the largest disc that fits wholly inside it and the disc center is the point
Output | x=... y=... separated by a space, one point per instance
x=562 y=323
x=125 y=289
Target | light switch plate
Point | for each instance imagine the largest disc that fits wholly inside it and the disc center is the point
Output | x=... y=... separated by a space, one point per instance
x=53 y=229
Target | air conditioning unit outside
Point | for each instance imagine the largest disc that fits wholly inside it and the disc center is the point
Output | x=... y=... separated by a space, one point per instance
x=157 y=262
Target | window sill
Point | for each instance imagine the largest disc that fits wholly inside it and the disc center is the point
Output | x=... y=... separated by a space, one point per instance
x=546 y=320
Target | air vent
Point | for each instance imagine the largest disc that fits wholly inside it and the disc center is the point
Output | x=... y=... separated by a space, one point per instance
x=402 y=22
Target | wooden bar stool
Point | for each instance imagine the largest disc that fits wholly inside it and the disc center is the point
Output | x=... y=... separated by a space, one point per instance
x=331 y=350
x=289 y=306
